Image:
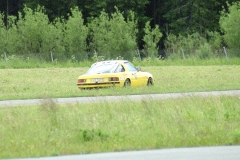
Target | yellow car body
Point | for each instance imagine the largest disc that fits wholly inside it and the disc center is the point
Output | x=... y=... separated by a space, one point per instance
x=114 y=73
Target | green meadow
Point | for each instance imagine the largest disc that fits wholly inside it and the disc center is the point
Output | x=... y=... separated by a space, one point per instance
x=51 y=129
x=61 y=82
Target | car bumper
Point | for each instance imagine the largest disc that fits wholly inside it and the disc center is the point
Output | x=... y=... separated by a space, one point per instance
x=98 y=85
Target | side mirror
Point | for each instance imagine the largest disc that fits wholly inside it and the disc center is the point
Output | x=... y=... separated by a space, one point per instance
x=138 y=69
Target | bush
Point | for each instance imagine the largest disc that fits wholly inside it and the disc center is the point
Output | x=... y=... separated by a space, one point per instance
x=151 y=39
x=204 y=51
x=194 y=45
x=229 y=23
x=75 y=35
x=113 y=36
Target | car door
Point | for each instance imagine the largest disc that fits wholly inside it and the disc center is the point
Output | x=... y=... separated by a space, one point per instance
x=138 y=78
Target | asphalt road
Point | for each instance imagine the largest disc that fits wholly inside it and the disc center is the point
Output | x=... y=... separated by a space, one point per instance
x=119 y=98
x=195 y=153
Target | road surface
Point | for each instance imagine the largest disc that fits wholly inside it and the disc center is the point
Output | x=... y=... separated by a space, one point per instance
x=119 y=98
x=195 y=153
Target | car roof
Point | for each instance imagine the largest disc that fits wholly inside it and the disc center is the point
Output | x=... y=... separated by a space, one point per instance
x=112 y=61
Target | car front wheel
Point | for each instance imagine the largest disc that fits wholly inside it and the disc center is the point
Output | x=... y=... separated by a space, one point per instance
x=150 y=81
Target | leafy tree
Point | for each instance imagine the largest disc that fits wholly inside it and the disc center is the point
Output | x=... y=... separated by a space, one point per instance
x=230 y=22
x=32 y=28
x=93 y=8
x=75 y=33
x=53 y=39
x=215 y=40
x=193 y=45
x=11 y=7
x=11 y=36
x=189 y=16
x=112 y=36
x=54 y=9
x=36 y=34
x=24 y=31
x=189 y=44
x=3 y=33
x=186 y=16
x=151 y=39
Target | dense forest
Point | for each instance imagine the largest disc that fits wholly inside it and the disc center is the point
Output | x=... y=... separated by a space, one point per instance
x=114 y=28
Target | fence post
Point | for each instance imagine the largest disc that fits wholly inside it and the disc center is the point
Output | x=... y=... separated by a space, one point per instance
x=96 y=54
x=139 y=55
x=51 y=56
x=225 y=52
x=183 y=54
x=5 y=54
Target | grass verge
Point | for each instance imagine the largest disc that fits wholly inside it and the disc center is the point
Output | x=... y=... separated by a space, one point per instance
x=33 y=61
x=50 y=129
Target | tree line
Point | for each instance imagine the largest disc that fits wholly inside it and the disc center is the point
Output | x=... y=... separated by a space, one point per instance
x=118 y=28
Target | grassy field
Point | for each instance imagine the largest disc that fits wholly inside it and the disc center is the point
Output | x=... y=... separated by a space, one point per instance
x=32 y=61
x=61 y=82
x=50 y=129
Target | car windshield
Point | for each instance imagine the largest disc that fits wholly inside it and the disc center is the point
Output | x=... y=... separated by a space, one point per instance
x=102 y=67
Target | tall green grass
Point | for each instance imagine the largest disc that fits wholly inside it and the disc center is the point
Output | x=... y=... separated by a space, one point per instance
x=187 y=62
x=31 y=61
x=50 y=129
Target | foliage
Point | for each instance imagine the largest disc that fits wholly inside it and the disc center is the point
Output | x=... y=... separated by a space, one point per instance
x=8 y=34
x=175 y=17
x=35 y=33
x=71 y=32
x=75 y=34
x=114 y=36
x=194 y=45
x=2 y=34
x=54 y=9
x=151 y=39
x=230 y=22
x=55 y=39
x=214 y=39
x=188 y=16
x=93 y=8
x=204 y=51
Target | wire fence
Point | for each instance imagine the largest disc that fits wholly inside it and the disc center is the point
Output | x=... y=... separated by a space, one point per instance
x=136 y=54
x=75 y=57
x=223 y=52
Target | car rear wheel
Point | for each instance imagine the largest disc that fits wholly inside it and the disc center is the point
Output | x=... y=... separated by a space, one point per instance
x=127 y=83
x=150 y=81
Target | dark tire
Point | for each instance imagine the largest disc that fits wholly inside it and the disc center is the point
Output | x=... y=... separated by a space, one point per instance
x=127 y=83
x=150 y=81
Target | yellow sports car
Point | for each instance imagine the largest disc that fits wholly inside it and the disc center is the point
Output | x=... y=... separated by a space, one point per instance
x=114 y=73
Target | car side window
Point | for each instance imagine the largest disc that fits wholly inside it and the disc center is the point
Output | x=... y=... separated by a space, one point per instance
x=130 y=67
x=120 y=69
